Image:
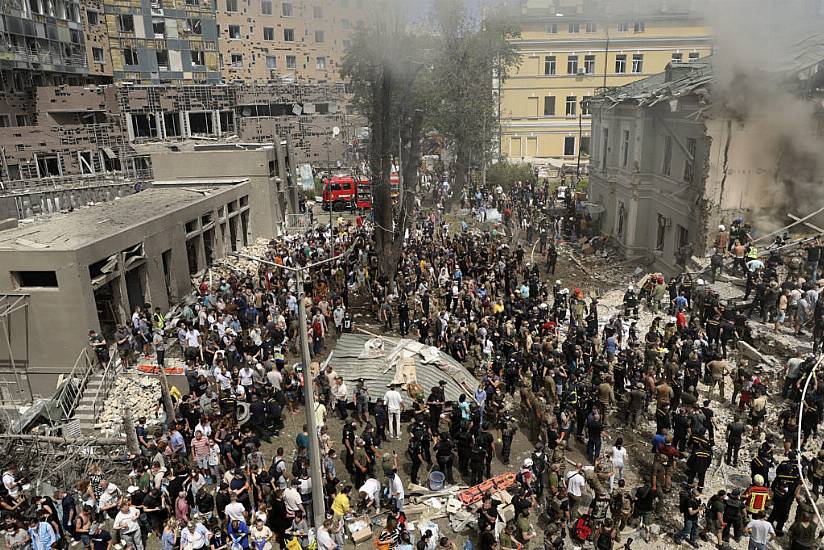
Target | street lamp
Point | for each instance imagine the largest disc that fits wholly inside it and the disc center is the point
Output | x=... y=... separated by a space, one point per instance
x=318 y=504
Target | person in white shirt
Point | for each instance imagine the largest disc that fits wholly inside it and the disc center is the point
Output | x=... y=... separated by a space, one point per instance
x=394 y=406
x=575 y=483
x=126 y=522
x=291 y=497
x=369 y=494
x=324 y=538
x=396 y=492
x=10 y=481
x=619 y=458
x=761 y=532
x=235 y=510
x=275 y=378
x=341 y=392
x=194 y=534
x=246 y=375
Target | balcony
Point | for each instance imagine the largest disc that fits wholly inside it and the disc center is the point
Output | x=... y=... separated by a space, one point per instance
x=43 y=57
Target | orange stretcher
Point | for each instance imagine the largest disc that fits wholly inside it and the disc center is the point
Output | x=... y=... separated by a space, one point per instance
x=498 y=483
x=149 y=368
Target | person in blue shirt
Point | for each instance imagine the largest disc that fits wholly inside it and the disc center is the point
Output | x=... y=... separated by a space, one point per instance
x=43 y=535
x=238 y=533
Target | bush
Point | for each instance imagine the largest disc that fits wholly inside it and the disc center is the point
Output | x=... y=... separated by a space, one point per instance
x=506 y=174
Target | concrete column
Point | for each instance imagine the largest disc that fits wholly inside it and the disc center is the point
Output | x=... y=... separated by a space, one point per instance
x=159 y=123
x=184 y=125
x=631 y=220
x=120 y=288
x=216 y=119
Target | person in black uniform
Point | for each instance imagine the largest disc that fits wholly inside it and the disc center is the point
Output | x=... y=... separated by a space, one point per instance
x=403 y=316
x=700 y=458
x=415 y=457
x=444 y=450
x=464 y=443
x=435 y=403
x=762 y=462
x=487 y=442
x=507 y=434
x=477 y=459
x=348 y=440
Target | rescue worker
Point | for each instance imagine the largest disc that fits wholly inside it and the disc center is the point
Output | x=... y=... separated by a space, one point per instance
x=631 y=302
x=757 y=496
x=735 y=431
x=699 y=459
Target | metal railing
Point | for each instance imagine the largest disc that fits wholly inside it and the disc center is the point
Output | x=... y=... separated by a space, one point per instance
x=80 y=373
x=297 y=222
x=106 y=383
x=62 y=183
x=28 y=55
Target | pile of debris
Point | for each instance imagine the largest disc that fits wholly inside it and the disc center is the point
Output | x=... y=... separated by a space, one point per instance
x=139 y=394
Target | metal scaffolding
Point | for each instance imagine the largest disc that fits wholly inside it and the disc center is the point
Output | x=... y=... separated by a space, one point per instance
x=14 y=319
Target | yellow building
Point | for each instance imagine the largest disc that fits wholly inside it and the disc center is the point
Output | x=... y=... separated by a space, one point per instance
x=571 y=48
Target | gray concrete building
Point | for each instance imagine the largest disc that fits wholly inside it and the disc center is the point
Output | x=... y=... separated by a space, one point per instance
x=88 y=269
x=673 y=158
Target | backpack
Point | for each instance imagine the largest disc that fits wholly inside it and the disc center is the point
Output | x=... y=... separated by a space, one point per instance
x=274 y=473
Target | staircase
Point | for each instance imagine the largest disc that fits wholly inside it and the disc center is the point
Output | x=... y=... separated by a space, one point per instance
x=86 y=411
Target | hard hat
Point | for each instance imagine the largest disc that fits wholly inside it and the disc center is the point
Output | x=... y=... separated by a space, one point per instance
x=700 y=282
x=630 y=287
x=758 y=479
x=558 y=282
x=721 y=227
x=528 y=463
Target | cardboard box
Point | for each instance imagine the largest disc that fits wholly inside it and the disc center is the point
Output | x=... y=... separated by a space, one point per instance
x=363 y=534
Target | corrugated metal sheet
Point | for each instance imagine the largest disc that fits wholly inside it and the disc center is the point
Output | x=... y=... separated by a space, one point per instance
x=347 y=363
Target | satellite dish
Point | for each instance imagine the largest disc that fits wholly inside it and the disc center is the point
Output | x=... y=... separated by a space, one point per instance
x=335 y=131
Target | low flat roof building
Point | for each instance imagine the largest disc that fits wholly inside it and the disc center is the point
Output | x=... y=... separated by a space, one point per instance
x=89 y=269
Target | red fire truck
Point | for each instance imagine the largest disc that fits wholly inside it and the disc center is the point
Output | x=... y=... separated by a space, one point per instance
x=341 y=191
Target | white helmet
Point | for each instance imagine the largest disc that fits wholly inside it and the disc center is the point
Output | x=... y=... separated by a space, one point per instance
x=631 y=287
x=721 y=227
x=527 y=463
x=700 y=282
x=558 y=282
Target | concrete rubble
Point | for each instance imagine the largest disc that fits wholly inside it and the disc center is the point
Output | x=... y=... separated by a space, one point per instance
x=139 y=394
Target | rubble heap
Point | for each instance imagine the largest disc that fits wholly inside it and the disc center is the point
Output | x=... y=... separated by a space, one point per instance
x=139 y=394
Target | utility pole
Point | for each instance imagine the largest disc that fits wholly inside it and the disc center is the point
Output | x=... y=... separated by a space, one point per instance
x=318 y=504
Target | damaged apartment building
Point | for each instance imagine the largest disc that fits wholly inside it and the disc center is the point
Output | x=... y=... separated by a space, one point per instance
x=95 y=136
x=678 y=153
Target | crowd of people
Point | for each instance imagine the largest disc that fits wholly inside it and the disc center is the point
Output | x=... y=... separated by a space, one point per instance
x=574 y=384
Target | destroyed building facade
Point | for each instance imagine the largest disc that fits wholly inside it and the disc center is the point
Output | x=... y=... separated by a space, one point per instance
x=673 y=157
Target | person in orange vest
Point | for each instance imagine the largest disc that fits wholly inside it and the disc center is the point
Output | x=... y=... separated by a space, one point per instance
x=757 y=495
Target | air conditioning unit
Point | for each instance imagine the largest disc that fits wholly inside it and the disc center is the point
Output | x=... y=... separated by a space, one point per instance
x=157 y=11
x=581 y=71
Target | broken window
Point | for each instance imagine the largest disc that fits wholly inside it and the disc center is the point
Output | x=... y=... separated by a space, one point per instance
x=286 y=9
x=288 y=35
x=291 y=62
x=572 y=64
x=159 y=28
x=569 y=146
x=552 y=28
x=13 y=172
x=620 y=64
x=571 y=104
x=144 y=125
x=694 y=56
x=91 y=17
x=604 y=147
x=234 y=32
x=689 y=162
x=193 y=25
x=638 y=63
x=619 y=222
x=677 y=57
x=268 y=33
x=48 y=165
x=125 y=23
x=266 y=7
x=5 y=121
x=589 y=64
x=162 y=59
x=237 y=60
x=666 y=167
x=574 y=27
x=271 y=62
x=322 y=108
x=549 y=65
x=320 y=63
x=683 y=237
x=133 y=255
x=201 y=123
x=86 y=162
x=549 y=105
x=639 y=26
x=592 y=27
x=197 y=58
x=625 y=149
x=661 y=233
x=171 y=123
x=231 y=5
x=35 y=279
x=227 y=122
x=130 y=56
x=97 y=55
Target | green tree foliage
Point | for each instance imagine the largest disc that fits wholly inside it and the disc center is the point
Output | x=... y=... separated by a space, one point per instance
x=507 y=173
